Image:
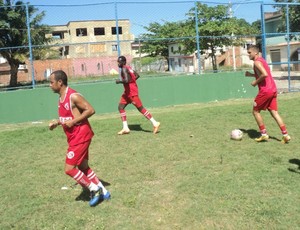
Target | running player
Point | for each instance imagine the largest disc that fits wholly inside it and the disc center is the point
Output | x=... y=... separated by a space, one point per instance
x=74 y=111
x=267 y=95
x=131 y=96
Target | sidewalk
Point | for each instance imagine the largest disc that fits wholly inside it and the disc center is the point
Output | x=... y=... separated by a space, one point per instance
x=282 y=81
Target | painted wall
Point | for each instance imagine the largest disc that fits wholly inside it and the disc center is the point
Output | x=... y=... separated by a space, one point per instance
x=41 y=103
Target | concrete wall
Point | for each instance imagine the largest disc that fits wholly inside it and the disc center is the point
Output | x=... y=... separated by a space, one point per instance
x=41 y=103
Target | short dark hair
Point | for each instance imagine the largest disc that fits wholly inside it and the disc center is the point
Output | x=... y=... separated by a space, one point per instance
x=60 y=75
x=122 y=59
x=255 y=47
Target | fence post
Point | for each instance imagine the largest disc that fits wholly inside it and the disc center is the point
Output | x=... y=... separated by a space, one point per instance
x=197 y=38
x=117 y=30
x=30 y=45
x=263 y=31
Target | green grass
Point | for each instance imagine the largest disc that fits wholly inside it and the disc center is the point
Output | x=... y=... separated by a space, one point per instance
x=188 y=176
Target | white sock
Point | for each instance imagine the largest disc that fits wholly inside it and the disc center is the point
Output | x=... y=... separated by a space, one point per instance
x=154 y=122
x=104 y=191
x=125 y=125
x=93 y=187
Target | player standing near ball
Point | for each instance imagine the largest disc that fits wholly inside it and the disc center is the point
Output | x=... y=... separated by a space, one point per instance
x=74 y=111
x=267 y=95
x=131 y=95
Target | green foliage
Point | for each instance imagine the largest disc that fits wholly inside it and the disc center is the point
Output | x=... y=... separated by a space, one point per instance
x=294 y=16
x=159 y=36
x=13 y=33
x=216 y=29
x=214 y=24
x=188 y=176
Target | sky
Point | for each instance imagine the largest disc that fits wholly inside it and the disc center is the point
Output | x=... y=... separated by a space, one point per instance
x=140 y=13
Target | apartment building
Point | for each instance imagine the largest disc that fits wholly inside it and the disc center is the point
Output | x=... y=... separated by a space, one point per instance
x=93 y=38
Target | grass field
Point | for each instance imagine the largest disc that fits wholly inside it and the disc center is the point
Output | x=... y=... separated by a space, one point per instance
x=188 y=176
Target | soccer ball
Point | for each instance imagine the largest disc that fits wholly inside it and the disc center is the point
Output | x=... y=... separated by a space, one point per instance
x=236 y=134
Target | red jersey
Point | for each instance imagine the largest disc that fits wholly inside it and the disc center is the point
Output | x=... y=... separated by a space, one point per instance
x=80 y=132
x=130 y=88
x=268 y=85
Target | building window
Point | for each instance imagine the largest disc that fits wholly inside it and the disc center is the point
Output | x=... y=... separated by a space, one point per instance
x=80 y=32
x=114 y=47
x=172 y=49
x=114 y=30
x=99 y=31
x=58 y=35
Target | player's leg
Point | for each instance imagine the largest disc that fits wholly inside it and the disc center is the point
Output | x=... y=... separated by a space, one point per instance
x=273 y=109
x=139 y=105
x=74 y=158
x=285 y=137
x=259 y=104
x=91 y=175
x=259 y=120
x=80 y=177
x=122 y=105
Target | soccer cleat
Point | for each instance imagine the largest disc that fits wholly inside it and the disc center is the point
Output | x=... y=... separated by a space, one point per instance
x=124 y=131
x=107 y=196
x=95 y=197
x=285 y=139
x=155 y=128
x=262 y=138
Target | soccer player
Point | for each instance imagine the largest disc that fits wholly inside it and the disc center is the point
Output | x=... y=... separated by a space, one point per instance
x=74 y=111
x=267 y=95
x=131 y=95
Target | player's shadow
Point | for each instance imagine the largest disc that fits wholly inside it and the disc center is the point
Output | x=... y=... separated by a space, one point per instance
x=295 y=162
x=137 y=127
x=85 y=193
x=252 y=133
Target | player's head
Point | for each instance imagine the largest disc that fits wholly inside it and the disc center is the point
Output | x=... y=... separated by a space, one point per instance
x=60 y=75
x=253 y=51
x=57 y=80
x=121 y=61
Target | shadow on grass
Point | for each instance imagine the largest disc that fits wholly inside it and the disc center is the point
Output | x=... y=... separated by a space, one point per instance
x=295 y=162
x=252 y=133
x=85 y=193
x=137 y=127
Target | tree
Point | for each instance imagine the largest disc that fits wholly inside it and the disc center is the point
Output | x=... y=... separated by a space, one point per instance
x=215 y=26
x=14 y=34
x=294 y=16
x=155 y=43
x=216 y=29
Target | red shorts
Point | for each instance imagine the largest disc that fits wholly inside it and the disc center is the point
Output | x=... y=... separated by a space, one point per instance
x=135 y=100
x=76 y=154
x=265 y=101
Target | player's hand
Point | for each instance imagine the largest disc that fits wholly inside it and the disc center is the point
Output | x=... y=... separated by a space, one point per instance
x=69 y=123
x=248 y=74
x=53 y=124
x=118 y=81
x=253 y=83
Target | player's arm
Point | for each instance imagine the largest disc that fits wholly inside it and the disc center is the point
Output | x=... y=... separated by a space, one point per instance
x=81 y=109
x=261 y=71
x=126 y=75
x=137 y=76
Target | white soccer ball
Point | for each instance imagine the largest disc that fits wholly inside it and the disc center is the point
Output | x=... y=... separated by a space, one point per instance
x=236 y=134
